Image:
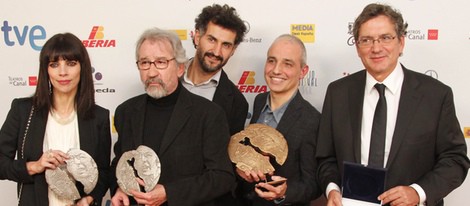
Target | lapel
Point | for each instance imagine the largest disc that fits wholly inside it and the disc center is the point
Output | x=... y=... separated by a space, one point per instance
x=260 y=101
x=356 y=101
x=178 y=119
x=223 y=95
x=409 y=101
x=288 y=120
x=291 y=115
x=34 y=141
x=137 y=123
x=86 y=131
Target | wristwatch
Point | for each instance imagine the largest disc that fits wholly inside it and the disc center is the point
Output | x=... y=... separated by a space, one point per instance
x=280 y=200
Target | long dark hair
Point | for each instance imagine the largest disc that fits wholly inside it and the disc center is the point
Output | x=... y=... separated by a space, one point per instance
x=68 y=47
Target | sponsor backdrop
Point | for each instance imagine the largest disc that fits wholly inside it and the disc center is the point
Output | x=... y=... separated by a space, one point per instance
x=437 y=44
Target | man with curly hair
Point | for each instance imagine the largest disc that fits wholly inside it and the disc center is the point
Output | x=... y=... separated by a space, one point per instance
x=218 y=32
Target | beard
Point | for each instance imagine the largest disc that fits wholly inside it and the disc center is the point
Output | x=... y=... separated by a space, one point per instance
x=154 y=91
x=206 y=67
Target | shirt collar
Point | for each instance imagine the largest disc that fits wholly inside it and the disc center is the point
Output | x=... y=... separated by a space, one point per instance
x=213 y=80
x=279 y=112
x=392 y=82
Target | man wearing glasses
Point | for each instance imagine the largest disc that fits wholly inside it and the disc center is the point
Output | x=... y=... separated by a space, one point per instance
x=387 y=116
x=188 y=132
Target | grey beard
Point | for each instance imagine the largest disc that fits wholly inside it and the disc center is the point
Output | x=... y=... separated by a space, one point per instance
x=156 y=92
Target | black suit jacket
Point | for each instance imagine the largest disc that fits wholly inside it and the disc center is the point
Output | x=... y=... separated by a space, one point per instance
x=232 y=102
x=299 y=125
x=95 y=139
x=428 y=147
x=193 y=153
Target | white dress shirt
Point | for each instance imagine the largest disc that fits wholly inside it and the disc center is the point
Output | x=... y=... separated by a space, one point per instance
x=393 y=84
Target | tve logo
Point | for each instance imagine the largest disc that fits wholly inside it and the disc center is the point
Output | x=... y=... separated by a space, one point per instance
x=247 y=81
x=96 y=38
x=18 y=34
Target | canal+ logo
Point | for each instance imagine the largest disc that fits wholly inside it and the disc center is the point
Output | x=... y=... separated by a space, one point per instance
x=21 y=81
x=96 y=39
x=246 y=84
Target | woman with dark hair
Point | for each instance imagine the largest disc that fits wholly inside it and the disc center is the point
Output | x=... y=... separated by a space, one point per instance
x=60 y=115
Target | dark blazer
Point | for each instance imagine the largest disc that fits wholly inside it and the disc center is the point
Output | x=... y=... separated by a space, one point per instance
x=193 y=154
x=232 y=102
x=299 y=125
x=428 y=147
x=95 y=139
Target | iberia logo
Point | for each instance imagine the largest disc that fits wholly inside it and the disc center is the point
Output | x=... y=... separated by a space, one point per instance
x=247 y=83
x=96 y=38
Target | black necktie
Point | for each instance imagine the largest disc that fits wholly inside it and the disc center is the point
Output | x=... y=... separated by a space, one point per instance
x=377 y=139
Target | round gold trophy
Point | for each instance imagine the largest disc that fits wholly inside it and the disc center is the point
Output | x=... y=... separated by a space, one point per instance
x=251 y=148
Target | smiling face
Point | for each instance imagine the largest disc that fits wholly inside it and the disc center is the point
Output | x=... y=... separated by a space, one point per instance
x=214 y=47
x=64 y=76
x=380 y=59
x=283 y=69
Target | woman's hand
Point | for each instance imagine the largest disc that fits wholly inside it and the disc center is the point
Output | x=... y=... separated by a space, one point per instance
x=85 y=201
x=49 y=160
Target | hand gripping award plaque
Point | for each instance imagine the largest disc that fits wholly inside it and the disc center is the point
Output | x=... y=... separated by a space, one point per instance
x=141 y=163
x=362 y=185
x=79 y=167
x=251 y=148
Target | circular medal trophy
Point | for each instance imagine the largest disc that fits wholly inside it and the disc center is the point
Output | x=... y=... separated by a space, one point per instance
x=142 y=163
x=251 y=148
x=79 y=167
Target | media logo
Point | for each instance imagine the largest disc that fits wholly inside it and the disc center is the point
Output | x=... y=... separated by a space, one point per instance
x=433 y=34
x=246 y=84
x=97 y=77
x=16 y=34
x=33 y=80
x=20 y=81
x=432 y=73
x=350 y=40
x=305 y=32
x=248 y=26
x=96 y=39
x=415 y=34
x=182 y=33
x=250 y=39
x=309 y=80
x=17 y=81
x=466 y=132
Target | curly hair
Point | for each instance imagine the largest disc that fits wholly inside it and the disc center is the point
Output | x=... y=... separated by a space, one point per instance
x=224 y=16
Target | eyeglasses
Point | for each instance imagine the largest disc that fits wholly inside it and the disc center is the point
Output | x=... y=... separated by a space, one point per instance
x=160 y=64
x=369 y=41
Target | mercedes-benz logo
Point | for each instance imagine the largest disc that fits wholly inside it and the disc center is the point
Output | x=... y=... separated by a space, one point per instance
x=432 y=73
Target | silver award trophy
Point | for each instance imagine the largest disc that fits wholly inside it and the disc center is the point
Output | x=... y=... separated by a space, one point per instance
x=141 y=163
x=79 y=167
